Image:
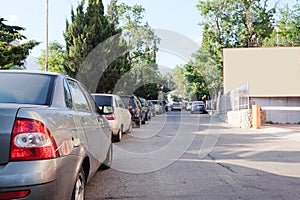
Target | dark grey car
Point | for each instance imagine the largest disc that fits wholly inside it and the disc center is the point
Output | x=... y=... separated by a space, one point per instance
x=53 y=138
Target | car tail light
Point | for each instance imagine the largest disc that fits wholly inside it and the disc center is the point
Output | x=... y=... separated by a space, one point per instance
x=110 y=117
x=31 y=140
x=14 y=194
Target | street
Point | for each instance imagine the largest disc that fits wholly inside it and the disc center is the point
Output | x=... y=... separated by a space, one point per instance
x=179 y=155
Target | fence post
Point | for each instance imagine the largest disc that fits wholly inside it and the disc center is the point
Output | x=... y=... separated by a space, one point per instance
x=256 y=123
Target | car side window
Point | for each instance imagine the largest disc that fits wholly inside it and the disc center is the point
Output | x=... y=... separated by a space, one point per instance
x=116 y=102
x=120 y=103
x=68 y=95
x=90 y=99
x=79 y=100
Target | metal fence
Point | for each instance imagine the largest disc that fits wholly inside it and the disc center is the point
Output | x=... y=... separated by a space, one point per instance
x=237 y=99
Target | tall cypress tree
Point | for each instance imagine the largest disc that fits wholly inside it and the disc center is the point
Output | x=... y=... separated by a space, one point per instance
x=88 y=29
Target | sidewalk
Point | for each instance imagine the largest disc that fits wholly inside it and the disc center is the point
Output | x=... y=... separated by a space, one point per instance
x=290 y=127
x=270 y=149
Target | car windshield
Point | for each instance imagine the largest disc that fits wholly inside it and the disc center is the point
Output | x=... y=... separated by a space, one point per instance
x=102 y=100
x=25 y=88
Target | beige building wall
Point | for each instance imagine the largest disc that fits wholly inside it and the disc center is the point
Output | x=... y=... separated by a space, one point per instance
x=270 y=72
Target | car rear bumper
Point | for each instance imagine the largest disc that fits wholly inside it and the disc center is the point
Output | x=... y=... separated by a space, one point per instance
x=114 y=127
x=41 y=191
x=45 y=179
x=198 y=111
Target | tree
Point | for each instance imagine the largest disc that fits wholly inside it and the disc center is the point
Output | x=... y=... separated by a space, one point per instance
x=55 y=60
x=182 y=86
x=12 y=52
x=234 y=23
x=142 y=43
x=195 y=78
x=90 y=33
x=287 y=30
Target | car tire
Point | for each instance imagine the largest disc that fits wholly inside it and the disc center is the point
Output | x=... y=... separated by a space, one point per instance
x=130 y=128
x=79 y=186
x=138 y=123
x=108 y=160
x=118 y=137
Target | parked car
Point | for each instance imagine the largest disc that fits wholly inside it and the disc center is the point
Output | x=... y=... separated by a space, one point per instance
x=158 y=106
x=188 y=106
x=146 y=108
x=53 y=136
x=198 y=107
x=135 y=108
x=117 y=114
x=176 y=106
x=151 y=105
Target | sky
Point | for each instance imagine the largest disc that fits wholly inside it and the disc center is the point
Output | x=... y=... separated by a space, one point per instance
x=175 y=19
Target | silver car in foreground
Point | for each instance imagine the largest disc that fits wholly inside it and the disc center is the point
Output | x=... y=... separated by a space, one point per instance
x=53 y=138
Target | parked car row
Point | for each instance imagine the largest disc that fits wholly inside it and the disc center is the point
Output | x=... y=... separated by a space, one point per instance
x=124 y=112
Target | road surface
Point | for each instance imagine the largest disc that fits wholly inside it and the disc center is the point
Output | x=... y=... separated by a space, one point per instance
x=180 y=155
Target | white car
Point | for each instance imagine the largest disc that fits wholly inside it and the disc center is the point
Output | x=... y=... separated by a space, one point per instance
x=116 y=113
x=189 y=106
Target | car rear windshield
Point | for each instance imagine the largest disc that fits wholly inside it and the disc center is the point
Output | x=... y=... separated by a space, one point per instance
x=25 y=88
x=103 y=100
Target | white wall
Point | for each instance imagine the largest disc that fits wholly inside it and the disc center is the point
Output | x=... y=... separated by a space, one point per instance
x=280 y=116
x=270 y=72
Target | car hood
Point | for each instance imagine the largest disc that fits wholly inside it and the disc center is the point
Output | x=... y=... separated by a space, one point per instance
x=8 y=113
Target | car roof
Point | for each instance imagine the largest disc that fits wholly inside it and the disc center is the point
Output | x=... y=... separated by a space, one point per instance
x=198 y=102
x=30 y=72
x=102 y=94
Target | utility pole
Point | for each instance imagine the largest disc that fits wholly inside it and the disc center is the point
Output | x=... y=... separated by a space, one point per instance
x=47 y=50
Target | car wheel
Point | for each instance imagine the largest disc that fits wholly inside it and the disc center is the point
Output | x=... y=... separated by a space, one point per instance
x=108 y=160
x=143 y=122
x=118 y=137
x=138 y=123
x=130 y=128
x=79 y=187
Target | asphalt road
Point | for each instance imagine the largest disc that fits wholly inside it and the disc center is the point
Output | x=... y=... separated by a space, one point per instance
x=180 y=155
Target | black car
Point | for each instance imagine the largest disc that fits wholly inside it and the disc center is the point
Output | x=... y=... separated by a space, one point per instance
x=135 y=107
x=146 y=109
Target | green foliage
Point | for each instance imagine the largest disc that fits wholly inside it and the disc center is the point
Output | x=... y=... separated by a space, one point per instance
x=287 y=29
x=234 y=23
x=182 y=85
x=55 y=59
x=203 y=76
x=142 y=43
x=88 y=29
x=12 y=53
x=196 y=80
x=148 y=91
